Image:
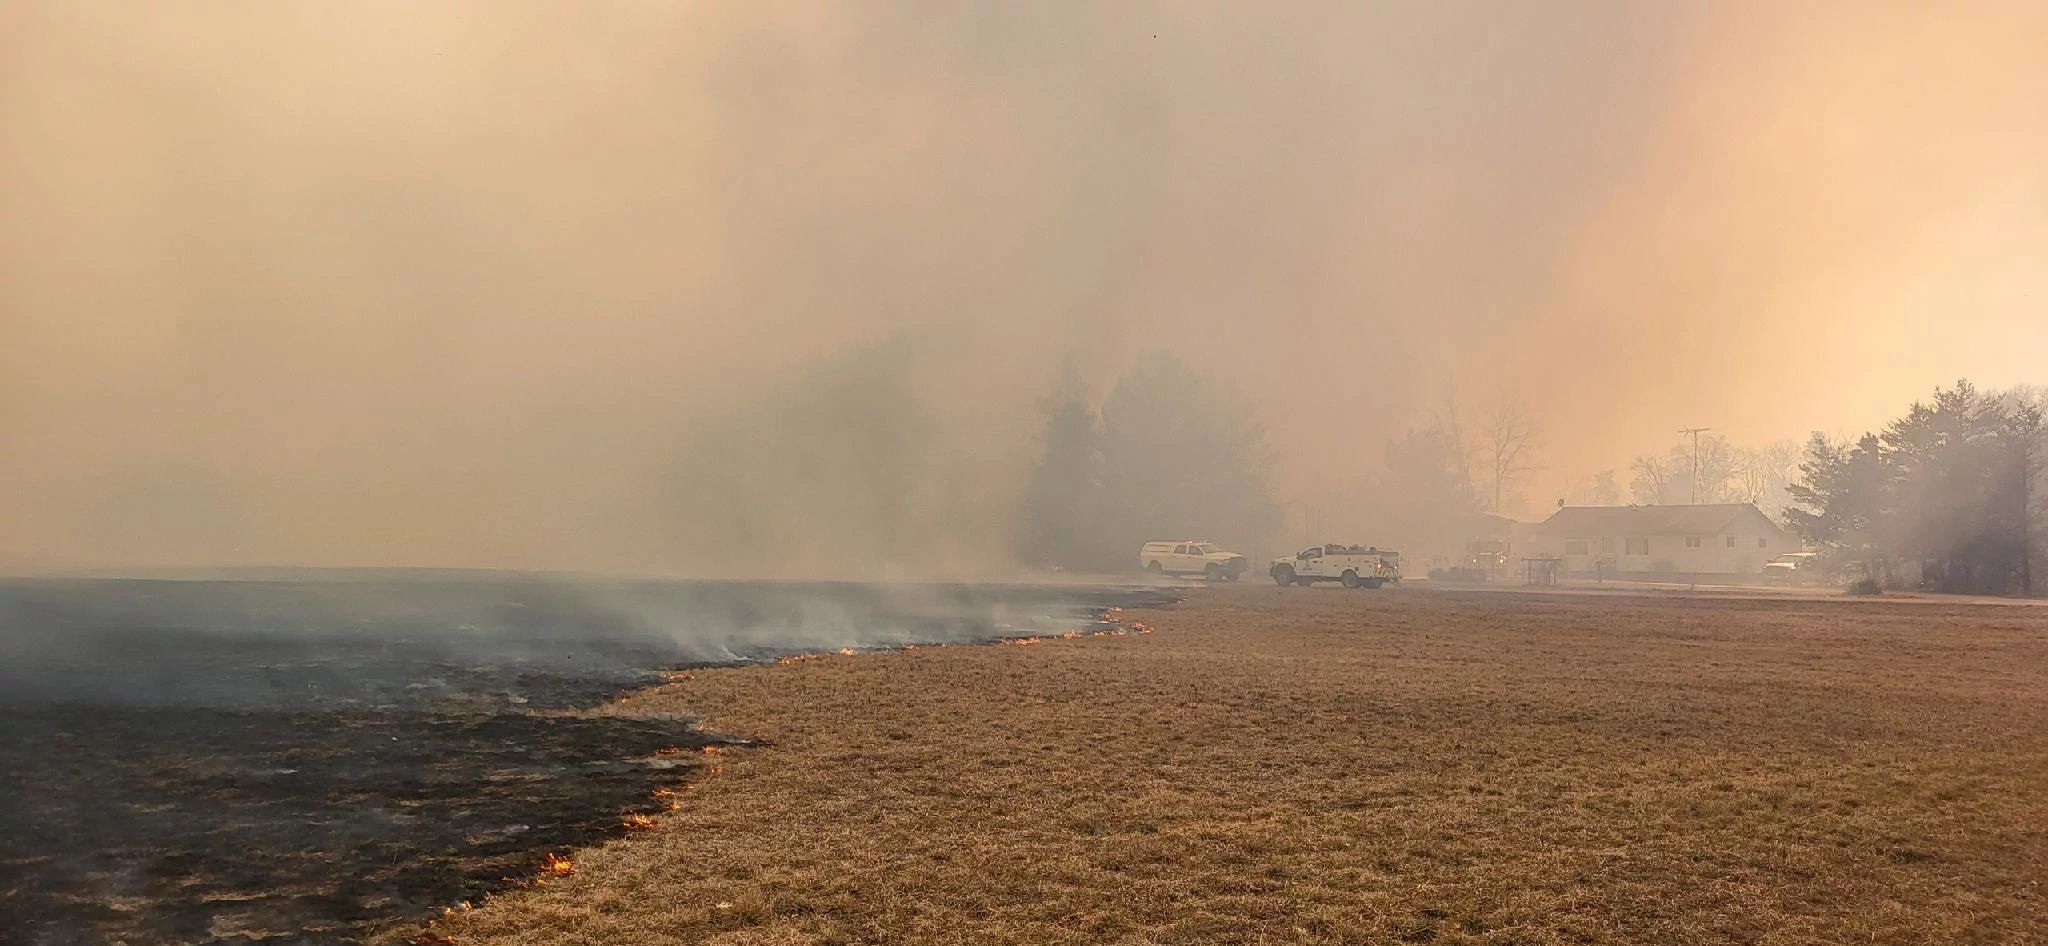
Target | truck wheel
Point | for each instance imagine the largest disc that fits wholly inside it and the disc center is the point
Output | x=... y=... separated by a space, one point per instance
x=1283 y=576
x=1350 y=579
x=1155 y=568
x=1212 y=572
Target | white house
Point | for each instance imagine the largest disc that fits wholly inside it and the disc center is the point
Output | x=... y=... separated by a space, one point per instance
x=1714 y=539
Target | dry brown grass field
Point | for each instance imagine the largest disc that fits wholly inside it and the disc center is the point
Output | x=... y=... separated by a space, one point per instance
x=1283 y=765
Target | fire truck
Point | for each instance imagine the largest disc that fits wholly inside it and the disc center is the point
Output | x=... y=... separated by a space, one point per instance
x=1357 y=566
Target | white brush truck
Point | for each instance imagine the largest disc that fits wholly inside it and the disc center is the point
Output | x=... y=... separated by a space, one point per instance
x=1357 y=566
x=1191 y=558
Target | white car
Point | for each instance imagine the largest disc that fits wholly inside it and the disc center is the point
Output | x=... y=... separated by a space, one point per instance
x=1191 y=558
x=1793 y=568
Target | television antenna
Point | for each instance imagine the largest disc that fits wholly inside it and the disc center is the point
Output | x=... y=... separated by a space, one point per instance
x=1695 y=433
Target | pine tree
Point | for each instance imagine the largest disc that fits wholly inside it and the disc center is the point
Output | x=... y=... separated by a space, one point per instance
x=1950 y=487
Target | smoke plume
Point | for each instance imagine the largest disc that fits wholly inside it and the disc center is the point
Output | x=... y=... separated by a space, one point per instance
x=775 y=288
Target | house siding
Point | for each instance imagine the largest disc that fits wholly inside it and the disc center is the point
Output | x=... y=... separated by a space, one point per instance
x=1667 y=552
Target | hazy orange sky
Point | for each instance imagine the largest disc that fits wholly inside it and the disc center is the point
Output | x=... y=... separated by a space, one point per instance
x=448 y=283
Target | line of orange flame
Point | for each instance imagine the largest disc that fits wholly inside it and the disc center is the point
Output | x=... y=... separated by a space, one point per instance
x=556 y=865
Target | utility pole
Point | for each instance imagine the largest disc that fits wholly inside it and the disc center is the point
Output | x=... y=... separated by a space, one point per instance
x=1695 y=433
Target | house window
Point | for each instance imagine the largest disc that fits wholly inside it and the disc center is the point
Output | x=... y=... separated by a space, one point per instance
x=1761 y=542
x=1731 y=541
x=1638 y=545
x=1575 y=546
x=1692 y=541
x=1607 y=544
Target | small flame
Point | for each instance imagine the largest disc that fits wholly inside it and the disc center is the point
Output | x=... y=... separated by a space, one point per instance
x=637 y=822
x=845 y=651
x=1024 y=641
x=711 y=750
x=669 y=750
x=555 y=865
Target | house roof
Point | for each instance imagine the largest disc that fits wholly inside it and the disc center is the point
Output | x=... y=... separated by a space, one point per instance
x=1486 y=522
x=1704 y=519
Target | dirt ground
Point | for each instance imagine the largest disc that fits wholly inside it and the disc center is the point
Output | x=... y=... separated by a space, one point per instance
x=1284 y=765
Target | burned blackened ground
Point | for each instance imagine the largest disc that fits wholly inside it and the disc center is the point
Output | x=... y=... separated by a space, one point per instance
x=193 y=825
x=314 y=761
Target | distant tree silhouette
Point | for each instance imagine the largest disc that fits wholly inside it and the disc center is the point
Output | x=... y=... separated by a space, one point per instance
x=1171 y=455
x=1651 y=479
x=1668 y=480
x=1508 y=435
x=1604 y=490
x=1065 y=500
x=842 y=455
x=1428 y=504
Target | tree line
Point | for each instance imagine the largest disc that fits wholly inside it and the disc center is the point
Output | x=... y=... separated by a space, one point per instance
x=1951 y=496
x=1435 y=484
x=1169 y=454
x=1717 y=471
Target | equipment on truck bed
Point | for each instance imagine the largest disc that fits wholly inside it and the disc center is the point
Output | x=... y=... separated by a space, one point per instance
x=1357 y=566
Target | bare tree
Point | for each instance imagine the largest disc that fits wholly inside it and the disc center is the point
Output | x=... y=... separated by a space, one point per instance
x=1651 y=479
x=1752 y=475
x=1708 y=472
x=1508 y=446
x=1763 y=475
x=1782 y=456
x=1598 y=489
x=1709 y=475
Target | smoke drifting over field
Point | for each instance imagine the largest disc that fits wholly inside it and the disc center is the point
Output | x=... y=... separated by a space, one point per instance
x=727 y=289
x=464 y=642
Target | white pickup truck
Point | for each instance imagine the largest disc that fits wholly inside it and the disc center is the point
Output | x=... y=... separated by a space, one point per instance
x=1191 y=558
x=1357 y=566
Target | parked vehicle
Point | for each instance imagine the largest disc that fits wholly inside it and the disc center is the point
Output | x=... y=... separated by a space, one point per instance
x=1485 y=560
x=1192 y=558
x=1793 y=568
x=1357 y=566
